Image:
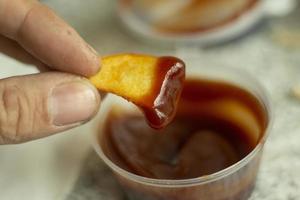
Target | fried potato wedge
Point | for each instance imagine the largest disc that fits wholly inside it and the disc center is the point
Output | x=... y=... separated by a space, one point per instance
x=152 y=83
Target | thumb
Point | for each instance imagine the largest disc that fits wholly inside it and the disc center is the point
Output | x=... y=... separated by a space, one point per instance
x=39 y=105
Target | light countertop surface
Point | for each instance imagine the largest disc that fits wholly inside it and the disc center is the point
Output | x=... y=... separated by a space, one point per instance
x=64 y=166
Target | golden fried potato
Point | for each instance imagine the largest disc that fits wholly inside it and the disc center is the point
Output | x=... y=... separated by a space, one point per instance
x=152 y=83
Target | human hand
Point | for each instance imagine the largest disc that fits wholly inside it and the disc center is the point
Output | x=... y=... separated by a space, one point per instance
x=35 y=106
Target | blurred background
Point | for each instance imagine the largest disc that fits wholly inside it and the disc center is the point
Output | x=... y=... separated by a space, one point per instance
x=263 y=39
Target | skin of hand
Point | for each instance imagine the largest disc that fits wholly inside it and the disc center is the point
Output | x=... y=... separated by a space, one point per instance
x=39 y=105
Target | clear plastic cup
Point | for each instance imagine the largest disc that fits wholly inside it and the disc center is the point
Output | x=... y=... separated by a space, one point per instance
x=216 y=21
x=233 y=183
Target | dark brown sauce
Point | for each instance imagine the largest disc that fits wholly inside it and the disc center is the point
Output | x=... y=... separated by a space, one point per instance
x=161 y=103
x=217 y=124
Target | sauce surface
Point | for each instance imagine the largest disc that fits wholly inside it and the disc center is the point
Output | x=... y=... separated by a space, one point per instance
x=217 y=124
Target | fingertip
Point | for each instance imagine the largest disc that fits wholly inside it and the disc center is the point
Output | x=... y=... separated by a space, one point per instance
x=94 y=63
x=53 y=41
x=96 y=92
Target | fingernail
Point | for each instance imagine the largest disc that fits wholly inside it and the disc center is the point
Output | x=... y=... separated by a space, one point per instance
x=96 y=61
x=72 y=103
x=92 y=49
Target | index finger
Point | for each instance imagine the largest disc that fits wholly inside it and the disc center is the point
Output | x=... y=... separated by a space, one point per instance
x=46 y=36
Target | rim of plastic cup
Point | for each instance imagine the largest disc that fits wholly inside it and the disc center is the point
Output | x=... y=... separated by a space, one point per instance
x=261 y=95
